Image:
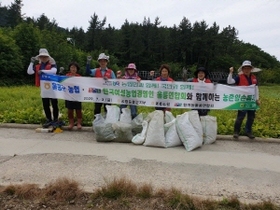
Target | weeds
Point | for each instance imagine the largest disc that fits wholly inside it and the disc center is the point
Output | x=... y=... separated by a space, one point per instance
x=116 y=194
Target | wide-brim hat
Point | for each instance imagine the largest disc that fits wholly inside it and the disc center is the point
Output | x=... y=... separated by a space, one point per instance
x=131 y=66
x=103 y=56
x=201 y=69
x=247 y=63
x=43 y=52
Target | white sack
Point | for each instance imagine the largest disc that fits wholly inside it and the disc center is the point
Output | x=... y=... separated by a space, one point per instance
x=187 y=133
x=104 y=132
x=125 y=115
x=168 y=117
x=195 y=121
x=113 y=114
x=209 y=127
x=97 y=121
x=171 y=137
x=122 y=132
x=155 y=132
x=136 y=124
x=140 y=137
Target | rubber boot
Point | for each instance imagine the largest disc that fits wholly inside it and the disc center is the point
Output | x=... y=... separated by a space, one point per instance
x=79 y=119
x=237 y=127
x=71 y=119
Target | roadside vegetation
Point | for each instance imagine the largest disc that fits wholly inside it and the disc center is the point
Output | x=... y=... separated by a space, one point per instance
x=118 y=194
x=23 y=105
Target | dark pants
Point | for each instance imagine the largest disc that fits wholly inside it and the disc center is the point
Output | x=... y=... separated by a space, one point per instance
x=97 y=108
x=47 y=110
x=240 y=117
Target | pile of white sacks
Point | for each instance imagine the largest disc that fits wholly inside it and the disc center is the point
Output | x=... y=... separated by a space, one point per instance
x=156 y=129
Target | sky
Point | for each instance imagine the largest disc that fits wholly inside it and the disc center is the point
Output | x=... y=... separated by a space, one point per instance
x=257 y=21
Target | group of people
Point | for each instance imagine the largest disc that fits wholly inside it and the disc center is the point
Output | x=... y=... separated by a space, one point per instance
x=47 y=65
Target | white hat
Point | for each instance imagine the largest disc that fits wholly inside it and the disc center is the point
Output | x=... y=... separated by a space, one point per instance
x=245 y=63
x=103 y=56
x=43 y=52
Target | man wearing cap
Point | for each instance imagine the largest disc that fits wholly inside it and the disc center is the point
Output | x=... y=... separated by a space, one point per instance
x=244 y=79
x=46 y=65
x=102 y=72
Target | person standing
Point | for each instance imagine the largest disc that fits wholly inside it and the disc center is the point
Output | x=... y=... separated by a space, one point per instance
x=46 y=65
x=102 y=72
x=152 y=75
x=201 y=76
x=73 y=69
x=131 y=73
x=164 y=72
x=246 y=78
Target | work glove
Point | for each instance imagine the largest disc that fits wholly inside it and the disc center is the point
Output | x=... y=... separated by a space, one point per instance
x=33 y=59
x=61 y=70
x=89 y=58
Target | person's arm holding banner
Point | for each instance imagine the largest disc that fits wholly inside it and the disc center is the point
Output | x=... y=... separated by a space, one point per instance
x=230 y=80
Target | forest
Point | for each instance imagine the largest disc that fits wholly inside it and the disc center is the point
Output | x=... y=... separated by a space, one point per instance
x=147 y=44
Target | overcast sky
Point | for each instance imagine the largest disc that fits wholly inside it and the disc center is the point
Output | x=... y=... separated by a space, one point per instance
x=257 y=21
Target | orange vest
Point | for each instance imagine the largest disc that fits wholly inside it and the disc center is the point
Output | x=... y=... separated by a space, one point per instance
x=71 y=75
x=107 y=73
x=168 y=79
x=37 y=76
x=243 y=81
x=206 y=80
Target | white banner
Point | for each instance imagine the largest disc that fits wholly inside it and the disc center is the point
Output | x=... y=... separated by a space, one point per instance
x=189 y=95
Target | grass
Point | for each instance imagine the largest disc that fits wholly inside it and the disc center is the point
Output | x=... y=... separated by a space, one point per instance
x=116 y=194
x=23 y=105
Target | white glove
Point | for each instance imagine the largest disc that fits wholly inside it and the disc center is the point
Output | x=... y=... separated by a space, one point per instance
x=89 y=58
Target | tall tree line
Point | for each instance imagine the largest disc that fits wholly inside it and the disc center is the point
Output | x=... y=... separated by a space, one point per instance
x=148 y=44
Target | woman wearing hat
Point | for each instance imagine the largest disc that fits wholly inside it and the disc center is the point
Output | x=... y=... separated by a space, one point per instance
x=246 y=78
x=164 y=72
x=131 y=73
x=46 y=65
x=102 y=72
x=201 y=76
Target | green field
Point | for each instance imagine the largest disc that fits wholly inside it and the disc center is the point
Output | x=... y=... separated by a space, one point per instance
x=23 y=105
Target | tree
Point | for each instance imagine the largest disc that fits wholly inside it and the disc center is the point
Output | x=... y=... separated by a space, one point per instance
x=94 y=32
x=10 y=60
x=14 y=14
x=27 y=38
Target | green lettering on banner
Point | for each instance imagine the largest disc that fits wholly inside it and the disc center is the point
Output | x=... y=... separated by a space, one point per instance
x=133 y=93
x=177 y=95
x=171 y=95
x=105 y=91
x=139 y=93
x=128 y=93
x=159 y=94
x=117 y=92
x=151 y=94
x=184 y=95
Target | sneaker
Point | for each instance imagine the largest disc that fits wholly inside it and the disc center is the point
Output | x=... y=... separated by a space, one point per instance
x=250 y=135
x=47 y=124
x=236 y=135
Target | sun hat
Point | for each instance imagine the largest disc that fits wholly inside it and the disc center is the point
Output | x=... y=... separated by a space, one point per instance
x=201 y=69
x=102 y=56
x=131 y=66
x=43 y=52
x=245 y=63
